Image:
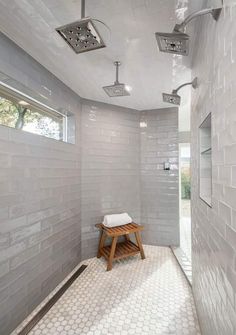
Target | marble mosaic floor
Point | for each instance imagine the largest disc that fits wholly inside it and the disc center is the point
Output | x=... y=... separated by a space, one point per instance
x=145 y=297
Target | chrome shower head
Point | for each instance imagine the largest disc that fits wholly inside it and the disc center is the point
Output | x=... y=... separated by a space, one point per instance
x=174 y=98
x=177 y=42
x=117 y=89
x=82 y=35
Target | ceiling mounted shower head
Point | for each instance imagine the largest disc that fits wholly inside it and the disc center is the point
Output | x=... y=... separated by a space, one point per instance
x=117 y=89
x=82 y=35
x=174 y=98
x=177 y=42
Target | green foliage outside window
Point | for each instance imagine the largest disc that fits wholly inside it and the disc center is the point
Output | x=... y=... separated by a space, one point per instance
x=22 y=117
x=185 y=185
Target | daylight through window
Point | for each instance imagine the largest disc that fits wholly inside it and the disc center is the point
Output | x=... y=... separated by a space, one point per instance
x=19 y=112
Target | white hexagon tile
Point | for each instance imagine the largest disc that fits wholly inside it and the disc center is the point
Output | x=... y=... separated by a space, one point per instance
x=148 y=297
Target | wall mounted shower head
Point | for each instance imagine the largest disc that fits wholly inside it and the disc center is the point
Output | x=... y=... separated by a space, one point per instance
x=174 y=98
x=82 y=35
x=177 y=42
x=118 y=89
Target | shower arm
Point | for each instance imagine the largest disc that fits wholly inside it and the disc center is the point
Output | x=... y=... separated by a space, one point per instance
x=117 y=64
x=82 y=9
x=193 y=83
x=83 y=15
x=215 y=12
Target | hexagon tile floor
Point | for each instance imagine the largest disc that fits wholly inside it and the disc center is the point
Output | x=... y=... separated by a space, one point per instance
x=148 y=297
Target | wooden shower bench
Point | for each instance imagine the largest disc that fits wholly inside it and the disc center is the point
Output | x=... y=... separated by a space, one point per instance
x=121 y=249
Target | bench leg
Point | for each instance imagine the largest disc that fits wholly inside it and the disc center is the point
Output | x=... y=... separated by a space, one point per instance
x=101 y=243
x=127 y=238
x=112 y=253
x=139 y=242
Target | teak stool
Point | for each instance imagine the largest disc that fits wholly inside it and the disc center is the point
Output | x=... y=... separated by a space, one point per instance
x=122 y=249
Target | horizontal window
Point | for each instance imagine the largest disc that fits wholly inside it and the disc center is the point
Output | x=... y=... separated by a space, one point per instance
x=22 y=112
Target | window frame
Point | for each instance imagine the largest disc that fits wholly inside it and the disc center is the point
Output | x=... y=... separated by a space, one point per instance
x=13 y=95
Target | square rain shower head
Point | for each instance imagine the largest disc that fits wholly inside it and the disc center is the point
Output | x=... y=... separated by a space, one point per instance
x=81 y=35
x=175 y=43
x=174 y=99
x=116 y=90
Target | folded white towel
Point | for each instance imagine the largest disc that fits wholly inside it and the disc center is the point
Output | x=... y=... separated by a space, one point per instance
x=115 y=220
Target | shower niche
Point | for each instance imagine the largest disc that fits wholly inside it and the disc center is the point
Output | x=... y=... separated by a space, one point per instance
x=205 y=161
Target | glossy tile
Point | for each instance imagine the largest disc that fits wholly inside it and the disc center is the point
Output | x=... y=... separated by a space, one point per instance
x=159 y=187
x=214 y=229
x=40 y=233
x=110 y=169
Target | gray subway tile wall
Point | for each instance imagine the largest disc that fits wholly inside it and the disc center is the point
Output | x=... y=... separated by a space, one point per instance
x=214 y=229
x=110 y=167
x=122 y=170
x=159 y=187
x=40 y=228
x=53 y=193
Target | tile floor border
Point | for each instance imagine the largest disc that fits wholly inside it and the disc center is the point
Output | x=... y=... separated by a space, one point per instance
x=183 y=262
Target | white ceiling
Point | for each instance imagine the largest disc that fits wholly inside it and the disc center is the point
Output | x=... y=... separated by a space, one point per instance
x=31 y=24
